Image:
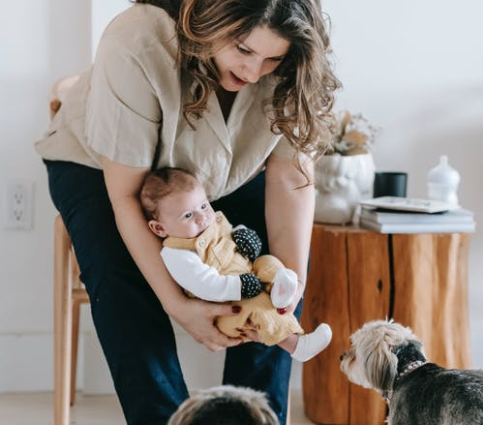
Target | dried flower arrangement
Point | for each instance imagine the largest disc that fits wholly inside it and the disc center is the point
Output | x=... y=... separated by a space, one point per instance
x=354 y=135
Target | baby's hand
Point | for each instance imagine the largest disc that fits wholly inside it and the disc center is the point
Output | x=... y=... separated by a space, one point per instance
x=250 y=285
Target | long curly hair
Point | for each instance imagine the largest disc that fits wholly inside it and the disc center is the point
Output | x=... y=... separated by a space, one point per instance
x=303 y=97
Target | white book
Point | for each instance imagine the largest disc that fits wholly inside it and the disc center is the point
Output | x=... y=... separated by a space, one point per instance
x=397 y=217
x=418 y=227
x=408 y=204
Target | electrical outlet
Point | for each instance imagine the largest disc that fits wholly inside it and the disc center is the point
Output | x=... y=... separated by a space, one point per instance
x=18 y=205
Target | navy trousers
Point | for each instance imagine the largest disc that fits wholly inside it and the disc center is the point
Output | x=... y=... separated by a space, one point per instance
x=135 y=332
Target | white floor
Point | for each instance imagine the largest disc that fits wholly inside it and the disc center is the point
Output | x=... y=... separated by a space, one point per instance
x=36 y=409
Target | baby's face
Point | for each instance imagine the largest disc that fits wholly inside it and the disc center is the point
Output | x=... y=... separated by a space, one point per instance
x=185 y=214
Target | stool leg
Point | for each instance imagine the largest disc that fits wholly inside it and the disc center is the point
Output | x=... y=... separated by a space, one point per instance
x=76 y=302
x=62 y=324
x=74 y=345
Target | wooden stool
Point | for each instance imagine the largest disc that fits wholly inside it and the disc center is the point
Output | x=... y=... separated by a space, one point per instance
x=69 y=294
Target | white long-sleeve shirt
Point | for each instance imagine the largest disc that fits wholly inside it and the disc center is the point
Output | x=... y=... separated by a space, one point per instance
x=200 y=279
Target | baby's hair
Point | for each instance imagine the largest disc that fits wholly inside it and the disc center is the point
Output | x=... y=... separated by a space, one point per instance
x=160 y=183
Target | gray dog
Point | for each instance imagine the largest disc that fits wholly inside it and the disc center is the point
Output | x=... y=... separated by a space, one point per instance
x=388 y=358
x=225 y=405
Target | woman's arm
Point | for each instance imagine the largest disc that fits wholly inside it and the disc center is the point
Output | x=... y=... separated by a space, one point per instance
x=196 y=317
x=289 y=212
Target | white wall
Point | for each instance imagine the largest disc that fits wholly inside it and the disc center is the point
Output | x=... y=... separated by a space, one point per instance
x=40 y=40
x=414 y=68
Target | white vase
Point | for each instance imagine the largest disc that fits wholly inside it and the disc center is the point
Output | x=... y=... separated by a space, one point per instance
x=340 y=183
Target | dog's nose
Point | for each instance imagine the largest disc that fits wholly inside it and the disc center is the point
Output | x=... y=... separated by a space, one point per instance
x=342 y=356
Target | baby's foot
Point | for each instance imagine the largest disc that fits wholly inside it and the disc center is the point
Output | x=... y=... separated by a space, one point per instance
x=309 y=345
x=284 y=288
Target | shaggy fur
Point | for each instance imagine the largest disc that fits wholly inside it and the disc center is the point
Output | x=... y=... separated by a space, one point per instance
x=225 y=405
x=388 y=358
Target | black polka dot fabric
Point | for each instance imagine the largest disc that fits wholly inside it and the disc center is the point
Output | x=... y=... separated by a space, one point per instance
x=251 y=285
x=248 y=243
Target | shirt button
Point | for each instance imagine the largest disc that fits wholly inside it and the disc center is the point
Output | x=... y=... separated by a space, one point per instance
x=201 y=242
x=218 y=218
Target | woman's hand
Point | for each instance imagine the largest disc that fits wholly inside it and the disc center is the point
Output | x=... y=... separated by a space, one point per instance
x=250 y=331
x=198 y=317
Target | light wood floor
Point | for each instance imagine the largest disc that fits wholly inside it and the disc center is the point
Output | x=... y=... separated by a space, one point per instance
x=36 y=409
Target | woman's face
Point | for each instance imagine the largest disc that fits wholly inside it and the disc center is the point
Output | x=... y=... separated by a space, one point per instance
x=247 y=60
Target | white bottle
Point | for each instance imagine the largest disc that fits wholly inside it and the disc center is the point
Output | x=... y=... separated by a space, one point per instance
x=443 y=182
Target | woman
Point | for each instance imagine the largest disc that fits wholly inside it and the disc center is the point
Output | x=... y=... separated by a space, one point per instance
x=224 y=90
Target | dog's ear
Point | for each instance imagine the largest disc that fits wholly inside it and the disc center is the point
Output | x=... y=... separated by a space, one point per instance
x=418 y=345
x=381 y=368
x=408 y=352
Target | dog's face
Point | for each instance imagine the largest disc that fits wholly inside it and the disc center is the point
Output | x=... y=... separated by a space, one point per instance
x=372 y=360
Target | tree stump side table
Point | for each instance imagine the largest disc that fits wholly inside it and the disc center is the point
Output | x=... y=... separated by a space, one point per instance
x=419 y=280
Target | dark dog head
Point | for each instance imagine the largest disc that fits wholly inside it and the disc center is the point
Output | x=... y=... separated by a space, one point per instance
x=225 y=405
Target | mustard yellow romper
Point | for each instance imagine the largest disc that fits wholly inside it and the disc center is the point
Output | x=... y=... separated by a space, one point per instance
x=216 y=248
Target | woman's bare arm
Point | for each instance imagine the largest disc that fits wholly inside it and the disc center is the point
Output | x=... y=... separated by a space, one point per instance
x=289 y=211
x=195 y=316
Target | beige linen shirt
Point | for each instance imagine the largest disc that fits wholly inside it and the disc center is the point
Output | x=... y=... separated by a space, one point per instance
x=129 y=108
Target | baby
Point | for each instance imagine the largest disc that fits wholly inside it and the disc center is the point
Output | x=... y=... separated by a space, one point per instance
x=214 y=262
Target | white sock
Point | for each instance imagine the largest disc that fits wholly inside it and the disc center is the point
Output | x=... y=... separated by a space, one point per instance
x=284 y=288
x=309 y=345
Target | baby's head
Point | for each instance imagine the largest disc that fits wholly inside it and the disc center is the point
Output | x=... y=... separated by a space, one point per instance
x=175 y=204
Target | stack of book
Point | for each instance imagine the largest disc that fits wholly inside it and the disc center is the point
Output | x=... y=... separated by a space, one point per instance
x=406 y=215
